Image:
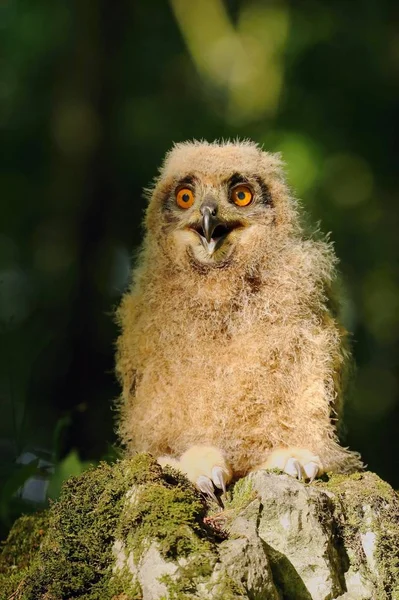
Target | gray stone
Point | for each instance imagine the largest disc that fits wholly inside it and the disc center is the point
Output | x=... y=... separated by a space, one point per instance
x=244 y=557
x=296 y=523
x=276 y=539
x=149 y=570
x=288 y=540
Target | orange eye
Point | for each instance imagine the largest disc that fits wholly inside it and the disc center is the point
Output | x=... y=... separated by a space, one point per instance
x=242 y=195
x=184 y=197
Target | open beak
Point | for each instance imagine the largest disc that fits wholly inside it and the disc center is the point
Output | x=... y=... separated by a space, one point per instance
x=209 y=223
x=212 y=230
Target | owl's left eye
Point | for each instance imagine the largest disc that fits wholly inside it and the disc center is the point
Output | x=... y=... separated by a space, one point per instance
x=184 y=197
x=242 y=195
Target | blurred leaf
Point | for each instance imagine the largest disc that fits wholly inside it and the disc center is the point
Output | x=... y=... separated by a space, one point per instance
x=70 y=466
x=17 y=479
x=237 y=58
x=112 y=454
x=59 y=429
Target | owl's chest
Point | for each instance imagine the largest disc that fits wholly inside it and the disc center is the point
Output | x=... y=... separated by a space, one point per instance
x=217 y=362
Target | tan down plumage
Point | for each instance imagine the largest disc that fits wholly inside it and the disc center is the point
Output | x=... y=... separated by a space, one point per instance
x=230 y=351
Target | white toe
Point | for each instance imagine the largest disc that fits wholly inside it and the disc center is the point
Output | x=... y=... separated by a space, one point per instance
x=220 y=478
x=293 y=468
x=205 y=485
x=311 y=469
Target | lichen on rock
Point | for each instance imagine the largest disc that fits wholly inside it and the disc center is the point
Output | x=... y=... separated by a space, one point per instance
x=132 y=531
x=367 y=517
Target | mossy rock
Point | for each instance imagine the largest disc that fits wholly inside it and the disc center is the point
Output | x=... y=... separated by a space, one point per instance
x=20 y=549
x=131 y=531
x=76 y=554
x=367 y=518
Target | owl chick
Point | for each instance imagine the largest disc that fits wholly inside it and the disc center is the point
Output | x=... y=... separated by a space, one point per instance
x=229 y=357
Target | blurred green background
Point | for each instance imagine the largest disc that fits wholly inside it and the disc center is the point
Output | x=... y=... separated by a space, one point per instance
x=93 y=93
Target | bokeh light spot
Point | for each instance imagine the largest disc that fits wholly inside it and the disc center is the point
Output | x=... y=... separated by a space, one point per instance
x=302 y=158
x=348 y=179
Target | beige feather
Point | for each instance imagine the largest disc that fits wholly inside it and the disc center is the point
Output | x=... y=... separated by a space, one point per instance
x=244 y=357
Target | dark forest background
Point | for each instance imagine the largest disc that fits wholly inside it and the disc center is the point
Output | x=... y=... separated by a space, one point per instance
x=93 y=93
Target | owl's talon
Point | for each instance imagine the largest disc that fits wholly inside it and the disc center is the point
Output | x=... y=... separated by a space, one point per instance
x=297 y=462
x=293 y=468
x=206 y=463
x=311 y=469
x=205 y=486
x=220 y=478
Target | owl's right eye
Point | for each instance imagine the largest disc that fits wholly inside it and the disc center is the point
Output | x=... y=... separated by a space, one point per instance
x=184 y=197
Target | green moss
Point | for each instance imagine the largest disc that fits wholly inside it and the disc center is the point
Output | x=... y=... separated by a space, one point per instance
x=171 y=515
x=19 y=551
x=123 y=587
x=171 y=512
x=132 y=501
x=237 y=499
x=181 y=585
x=353 y=495
x=363 y=482
x=202 y=558
x=77 y=554
x=68 y=551
x=75 y=557
x=142 y=468
x=23 y=541
x=242 y=494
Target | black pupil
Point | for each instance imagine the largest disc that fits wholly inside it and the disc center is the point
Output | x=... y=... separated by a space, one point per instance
x=186 y=197
x=241 y=195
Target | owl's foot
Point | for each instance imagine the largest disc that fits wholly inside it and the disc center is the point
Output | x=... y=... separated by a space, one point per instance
x=205 y=466
x=297 y=462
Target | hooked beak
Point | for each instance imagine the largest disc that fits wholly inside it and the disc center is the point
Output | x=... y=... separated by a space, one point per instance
x=209 y=223
x=211 y=229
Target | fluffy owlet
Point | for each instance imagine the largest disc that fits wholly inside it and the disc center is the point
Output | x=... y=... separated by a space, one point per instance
x=229 y=356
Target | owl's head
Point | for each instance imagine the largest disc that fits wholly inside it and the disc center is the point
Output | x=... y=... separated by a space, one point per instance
x=217 y=204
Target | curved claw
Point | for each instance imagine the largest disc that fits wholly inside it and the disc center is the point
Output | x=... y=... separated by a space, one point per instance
x=205 y=485
x=293 y=468
x=311 y=469
x=220 y=478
